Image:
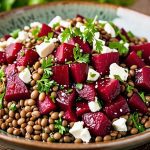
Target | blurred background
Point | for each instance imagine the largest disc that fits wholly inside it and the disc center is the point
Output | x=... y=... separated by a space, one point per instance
x=139 y=5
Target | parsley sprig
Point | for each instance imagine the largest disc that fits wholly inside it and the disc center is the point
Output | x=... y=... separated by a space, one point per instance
x=123 y=51
x=58 y=126
x=14 y=34
x=13 y=107
x=1 y=75
x=129 y=88
x=79 y=56
x=35 y=32
x=45 y=84
x=66 y=34
x=1 y=100
x=135 y=118
x=142 y=95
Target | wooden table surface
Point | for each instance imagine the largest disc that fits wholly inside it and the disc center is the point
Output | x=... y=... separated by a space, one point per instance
x=144 y=7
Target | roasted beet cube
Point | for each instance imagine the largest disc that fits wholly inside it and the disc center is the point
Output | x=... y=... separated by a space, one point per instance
x=16 y=89
x=45 y=29
x=83 y=45
x=82 y=108
x=3 y=57
x=7 y=36
x=80 y=16
x=79 y=72
x=27 y=57
x=136 y=103
x=61 y=74
x=10 y=70
x=64 y=53
x=134 y=59
x=66 y=100
x=108 y=89
x=142 y=78
x=46 y=106
x=101 y=62
x=97 y=123
x=70 y=115
x=87 y=92
x=145 y=48
x=12 y=52
x=117 y=108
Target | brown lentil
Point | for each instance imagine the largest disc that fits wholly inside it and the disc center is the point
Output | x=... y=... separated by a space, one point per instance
x=33 y=82
x=34 y=94
x=67 y=139
x=55 y=88
x=21 y=121
x=10 y=130
x=29 y=129
x=42 y=96
x=36 y=76
x=16 y=132
x=11 y=113
x=51 y=127
x=44 y=136
x=37 y=137
x=57 y=136
x=61 y=114
x=36 y=114
x=44 y=122
x=31 y=102
x=55 y=115
x=107 y=138
x=77 y=141
x=134 y=131
x=147 y=124
x=40 y=71
x=37 y=127
x=98 y=139
x=133 y=67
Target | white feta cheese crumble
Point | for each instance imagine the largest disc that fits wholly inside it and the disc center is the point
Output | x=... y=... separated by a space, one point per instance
x=79 y=24
x=65 y=24
x=22 y=36
x=25 y=75
x=10 y=40
x=79 y=132
x=35 y=24
x=54 y=21
x=120 y=124
x=109 y=29
x=45 y=48
x=82 y=28
x=92 y=75
x=126 y=45
x=115 y=69
x=94 y=105
x=106 y=49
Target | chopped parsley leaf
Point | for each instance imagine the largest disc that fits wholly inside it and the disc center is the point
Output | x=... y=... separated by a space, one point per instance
x=79 y=86
x=14 y=34
x=13 y=107
x=129 y=88
x=139 y=53
x=118 y=78
x=1 y=100
x=142 y=95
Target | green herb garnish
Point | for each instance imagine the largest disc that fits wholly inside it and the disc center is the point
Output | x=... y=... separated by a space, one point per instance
x=22 y=53
x=66 y=34
x=47 y=73
x=69 y=91
x=79 y=56
x=118 y=78
x=130 y=34
x=58 y=125
x=47 y=62
x=1 y=75
x=1 y=100
x=13 y=107
x=56 y=25
x=98 y=46
x=123 y=51
x=36 y=31
x=44 y=85
x=79 y=86
x=135 y=119
x=92 y=74
x=14 y=34
x=129 y=88
x=139 y=53
x=142 y=95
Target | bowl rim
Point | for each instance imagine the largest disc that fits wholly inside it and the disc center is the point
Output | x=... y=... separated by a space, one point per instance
x=130 y=140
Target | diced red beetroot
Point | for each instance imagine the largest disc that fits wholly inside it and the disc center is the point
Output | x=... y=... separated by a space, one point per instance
x=66 y=100
x=142 y=78
x=108 y=89
x=16 y=89
x=64 y=53
x=7 y=36
x=3 y=57
x=136 y=103
x=70 y=115
x=46 y=106
x=87 y=92
x=101 y=62
x=134 y=59
x=29 y=58
x=61 y=74
x=83 y=45
x=45 y=29
x=145 y=48
x=118 y=108
x=12 y=52
x=79 y=72
x=97 y=123
x=10 y=70
x=82 y=108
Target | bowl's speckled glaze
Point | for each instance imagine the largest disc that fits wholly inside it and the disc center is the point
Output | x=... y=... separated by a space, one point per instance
x=43 y=13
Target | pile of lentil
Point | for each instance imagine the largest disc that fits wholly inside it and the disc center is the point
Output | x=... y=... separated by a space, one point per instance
x=23 y=118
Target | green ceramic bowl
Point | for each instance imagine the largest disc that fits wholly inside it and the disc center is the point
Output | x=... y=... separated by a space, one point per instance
x=138 y=23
